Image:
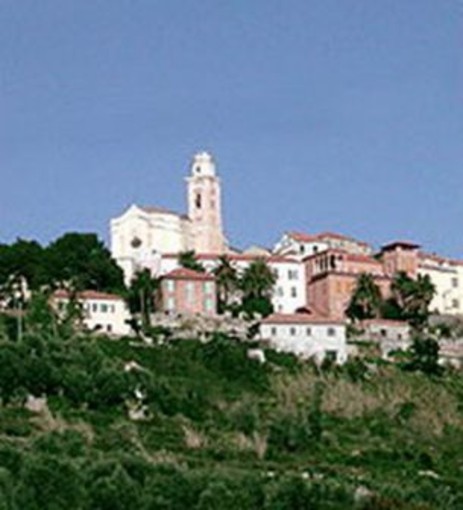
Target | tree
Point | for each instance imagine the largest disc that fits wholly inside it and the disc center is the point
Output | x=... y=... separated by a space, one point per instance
x=188 y=260
x=258 y=280
x=140 y=296
x=48 y=482
x=25 y=258
x=83 y=260
x=227 y=282
x=40 y=317
x=413 y=297
x=257 y=285
x=115 y=490
x=366 y=300
x=425 y=356
x=291 y=493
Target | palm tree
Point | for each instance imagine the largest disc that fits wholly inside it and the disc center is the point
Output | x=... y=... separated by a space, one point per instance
x=257 y=284
x=188 y=260
x=227 y=282
x=141 y=295
x=366 y=300
x=413 y=297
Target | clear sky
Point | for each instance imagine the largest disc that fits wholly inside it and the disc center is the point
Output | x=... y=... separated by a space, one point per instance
x=342 y=115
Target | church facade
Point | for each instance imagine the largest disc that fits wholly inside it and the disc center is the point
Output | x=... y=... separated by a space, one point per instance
x=142 y=235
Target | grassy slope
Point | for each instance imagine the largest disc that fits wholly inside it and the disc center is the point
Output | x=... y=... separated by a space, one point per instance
x=215 y=413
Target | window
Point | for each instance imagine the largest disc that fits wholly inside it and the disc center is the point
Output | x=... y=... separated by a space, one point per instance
x=454 y=282
x=308 y=331
x=208 y=287
x=331 y=355
x=171 y=304
x=109 y=328
x=383 y=333
x=280 y=292
x=189 y=292
x=292 y=331
x=455 y=303
x=209 y=305
x=293 y=292
x=198 y=201
x=104 y=308
x=273 y=331
x=292 y=274
x=331 y=332
x=94 y=307
x=170 y=284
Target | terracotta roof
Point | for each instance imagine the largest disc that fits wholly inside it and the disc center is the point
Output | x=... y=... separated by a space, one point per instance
x=182 y=273
x=302 y=237
x=400 y=244
x=438 y=258
x=357 y=257
x=313 y=238
x=87 y=295
x=236 y=257
x=341 y=237
x=300 y=318
x=353 y=257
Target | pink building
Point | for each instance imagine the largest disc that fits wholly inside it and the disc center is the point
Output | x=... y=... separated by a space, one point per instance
x=400 y=256
x=188 y=292
x=331 y=278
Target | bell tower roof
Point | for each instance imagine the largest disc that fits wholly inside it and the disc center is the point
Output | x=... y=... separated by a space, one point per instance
x=203 y=164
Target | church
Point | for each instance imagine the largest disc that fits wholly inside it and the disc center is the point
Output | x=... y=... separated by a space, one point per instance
x=142 y=235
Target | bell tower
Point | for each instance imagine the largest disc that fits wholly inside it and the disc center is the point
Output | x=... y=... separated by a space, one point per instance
x=204 y=205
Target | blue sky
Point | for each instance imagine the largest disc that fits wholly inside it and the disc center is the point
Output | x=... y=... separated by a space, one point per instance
x=342 y=115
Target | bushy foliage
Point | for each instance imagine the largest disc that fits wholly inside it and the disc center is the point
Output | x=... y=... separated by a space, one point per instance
x=74 y=257
x=221 y=431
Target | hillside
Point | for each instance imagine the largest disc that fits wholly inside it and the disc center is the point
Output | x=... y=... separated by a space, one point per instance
x=221 y=431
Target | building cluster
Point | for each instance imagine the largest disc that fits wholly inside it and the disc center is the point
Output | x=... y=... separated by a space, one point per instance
x=315 y=273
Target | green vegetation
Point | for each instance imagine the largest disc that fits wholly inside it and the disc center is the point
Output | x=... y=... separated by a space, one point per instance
x=218 y=430
x=409 y=301
x=227 y=281
x=366 y=299
x=141 y=295
x=188 y=260
x=77 y=260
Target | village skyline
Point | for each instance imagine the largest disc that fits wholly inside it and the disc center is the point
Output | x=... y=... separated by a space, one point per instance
x=323 y=116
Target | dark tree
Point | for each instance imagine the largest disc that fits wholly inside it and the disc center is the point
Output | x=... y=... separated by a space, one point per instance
x=188 y=260
x=413 y=297
x=425 y=356
x=227 y=282
x=366 y=300
x=257 y=285
x=83 y=260
x=141 y=295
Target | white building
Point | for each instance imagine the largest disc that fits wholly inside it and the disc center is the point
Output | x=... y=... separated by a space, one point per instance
x=102 y=312
x=389 y=335
x=447 y=277
x=300 y=245
x=306 y=336
x=142 y=234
